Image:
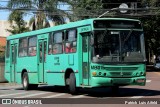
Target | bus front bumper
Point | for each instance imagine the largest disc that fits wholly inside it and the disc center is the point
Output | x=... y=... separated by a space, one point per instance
x=103 y=81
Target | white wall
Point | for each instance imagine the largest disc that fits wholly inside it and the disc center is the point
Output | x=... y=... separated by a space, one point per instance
x=4 y=24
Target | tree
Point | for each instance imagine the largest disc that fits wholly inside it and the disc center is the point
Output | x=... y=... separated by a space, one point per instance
x=18 y=25
x=43 y=10
x=83 y=9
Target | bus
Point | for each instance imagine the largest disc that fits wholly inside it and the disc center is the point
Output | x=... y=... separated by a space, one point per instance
x=98 y=52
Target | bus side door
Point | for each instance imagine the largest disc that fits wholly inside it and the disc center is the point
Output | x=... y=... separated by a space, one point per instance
x=13 y=59
x=42 y=51
x=85 y=58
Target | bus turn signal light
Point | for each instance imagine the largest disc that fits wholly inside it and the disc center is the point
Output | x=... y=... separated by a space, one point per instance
x=94 y=73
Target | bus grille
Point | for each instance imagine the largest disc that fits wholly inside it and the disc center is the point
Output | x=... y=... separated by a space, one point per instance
x=121 y=81
x=121 y=74
x=122 y=68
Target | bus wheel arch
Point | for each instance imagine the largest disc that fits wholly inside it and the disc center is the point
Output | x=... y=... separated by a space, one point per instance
x=67 y=74
x=23 y=71
x=70 y=81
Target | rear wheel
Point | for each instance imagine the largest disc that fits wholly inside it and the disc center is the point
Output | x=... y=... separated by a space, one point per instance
x=25 y=82
x=72 y=84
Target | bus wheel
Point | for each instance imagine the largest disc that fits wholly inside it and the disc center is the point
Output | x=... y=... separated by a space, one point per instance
x=72 y=84
x=25 y=82
x=115 y=90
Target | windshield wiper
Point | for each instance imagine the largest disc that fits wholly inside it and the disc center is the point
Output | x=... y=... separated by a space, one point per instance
x=104 y=33
x=129 y=34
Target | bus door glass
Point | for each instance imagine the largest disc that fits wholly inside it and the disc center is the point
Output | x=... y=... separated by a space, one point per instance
x=13 y=61
x=85 y=58
x=42 y=48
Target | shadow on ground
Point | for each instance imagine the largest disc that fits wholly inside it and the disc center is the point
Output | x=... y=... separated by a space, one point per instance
x=101 y=92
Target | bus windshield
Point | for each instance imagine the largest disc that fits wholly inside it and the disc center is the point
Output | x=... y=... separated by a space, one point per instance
x=118 y=46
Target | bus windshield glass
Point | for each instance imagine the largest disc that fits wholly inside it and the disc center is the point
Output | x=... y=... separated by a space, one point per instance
x=118 y=46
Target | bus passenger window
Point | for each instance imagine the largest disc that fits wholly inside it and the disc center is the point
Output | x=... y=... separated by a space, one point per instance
x=68 y=48
x=50 y=49
x=32 y=51
x=71 y=42
x=32 y=46
x=23 y=47
x=57 y=43
x=50 y=44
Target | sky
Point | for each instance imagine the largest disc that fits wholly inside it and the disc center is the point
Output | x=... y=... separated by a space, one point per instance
x=5 y=13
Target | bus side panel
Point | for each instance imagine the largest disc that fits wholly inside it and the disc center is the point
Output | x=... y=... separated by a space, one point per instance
x=54 y=66
x=58 y=64
x=30 y=65
x=55 y=78
x=33 y=78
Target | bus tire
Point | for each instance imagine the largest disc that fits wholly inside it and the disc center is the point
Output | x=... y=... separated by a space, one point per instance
x=72 y=84
x=25 y=82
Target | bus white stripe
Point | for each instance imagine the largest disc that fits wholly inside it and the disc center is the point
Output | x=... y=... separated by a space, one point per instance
x=13 y=94
x=52 y=96
x=31 y=95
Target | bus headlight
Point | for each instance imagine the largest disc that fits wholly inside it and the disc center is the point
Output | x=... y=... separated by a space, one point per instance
x=143 y=73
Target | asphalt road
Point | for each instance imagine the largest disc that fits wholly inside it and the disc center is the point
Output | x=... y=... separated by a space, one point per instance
x=129 y=93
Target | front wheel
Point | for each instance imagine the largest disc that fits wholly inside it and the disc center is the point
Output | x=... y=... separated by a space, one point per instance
x=26 y=84
x=72 y=84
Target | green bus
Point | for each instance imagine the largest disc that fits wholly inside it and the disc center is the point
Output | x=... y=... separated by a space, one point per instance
x=96 y=52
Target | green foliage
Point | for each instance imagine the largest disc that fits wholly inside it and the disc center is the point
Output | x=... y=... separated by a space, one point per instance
x=152 y=30
x=44 y=10
x=83 y=9
x=17 y=23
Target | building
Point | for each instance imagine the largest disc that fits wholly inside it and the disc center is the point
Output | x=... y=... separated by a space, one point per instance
x=2 y=48
x=2 y=41
x=2 y=55
x=4 y=24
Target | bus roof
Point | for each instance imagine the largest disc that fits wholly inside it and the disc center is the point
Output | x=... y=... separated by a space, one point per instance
x=64 y=26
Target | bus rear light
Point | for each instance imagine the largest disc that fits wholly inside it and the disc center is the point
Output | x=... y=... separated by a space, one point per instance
x=94 y=73
x=62 y=71
x=76 y=70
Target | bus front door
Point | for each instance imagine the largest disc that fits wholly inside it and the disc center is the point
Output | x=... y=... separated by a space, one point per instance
x=42 y=46
x=13 y=61
x=85 y=59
